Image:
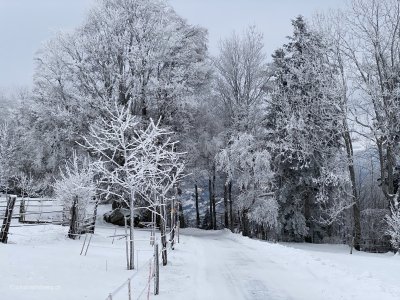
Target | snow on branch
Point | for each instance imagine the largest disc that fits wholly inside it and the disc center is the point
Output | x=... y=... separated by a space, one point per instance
x=248 y=163
x=134 y=160
x=393 y=222
x=76 y=182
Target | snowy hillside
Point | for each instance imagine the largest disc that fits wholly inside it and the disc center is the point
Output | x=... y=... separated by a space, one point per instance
x=41 y=263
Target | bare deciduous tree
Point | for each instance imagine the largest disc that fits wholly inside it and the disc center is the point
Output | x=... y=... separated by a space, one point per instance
x=372 y=46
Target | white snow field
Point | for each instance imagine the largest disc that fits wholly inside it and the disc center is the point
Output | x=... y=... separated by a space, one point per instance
x=41 y=263
x=222 y=265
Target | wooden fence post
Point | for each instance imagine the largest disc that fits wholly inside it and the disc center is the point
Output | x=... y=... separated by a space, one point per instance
x=129 y=289
x=352 y=245
x=156 y=270
x=22 y=211
x=93 y=224
x=177 y=231
x=7 y=219
x=73 y=226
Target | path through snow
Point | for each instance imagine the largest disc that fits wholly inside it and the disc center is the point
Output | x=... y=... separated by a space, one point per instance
x=221 y=265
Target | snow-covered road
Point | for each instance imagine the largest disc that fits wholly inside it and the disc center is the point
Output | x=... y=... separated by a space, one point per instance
x=221 y=265
x=41 y=263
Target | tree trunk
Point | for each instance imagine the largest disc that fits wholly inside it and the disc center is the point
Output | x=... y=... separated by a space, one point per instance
x=390 y=175
x=350 y=158
x=181 y=216
x=245 y=224
x=196 y=192
x=211 y=206
x=131 y=233
x=226 y=221
x=230 y=205
x=307 y=216
x=156 y=271
x=163 y=229
x=172 y=235
x=213 y=201
x=356 y=206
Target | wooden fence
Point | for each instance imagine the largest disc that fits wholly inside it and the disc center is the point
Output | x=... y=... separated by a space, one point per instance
x=28 y=211
x=33 y=210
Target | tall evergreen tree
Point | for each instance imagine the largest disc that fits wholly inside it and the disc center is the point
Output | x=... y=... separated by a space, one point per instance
x=304 y=130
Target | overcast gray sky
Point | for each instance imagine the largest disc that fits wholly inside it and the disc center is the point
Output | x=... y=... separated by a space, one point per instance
x=25 y=24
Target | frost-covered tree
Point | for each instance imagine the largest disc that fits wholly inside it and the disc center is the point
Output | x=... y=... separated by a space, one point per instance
x=202 y=144
x=241 y=79
x=126 y=51
x=393 y=221
x=7 y=153
x=371 y=45
x=76 y=184
x=138 y=164
x=333 y=31
x=303 y=125
x=249 y=163
x=333 y=196
x=8 y=105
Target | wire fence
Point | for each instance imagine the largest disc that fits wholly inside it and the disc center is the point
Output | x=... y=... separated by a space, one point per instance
x=376 y=245
x=152 y=265
x=126 y=288
x=42 y=211
x=42 y=207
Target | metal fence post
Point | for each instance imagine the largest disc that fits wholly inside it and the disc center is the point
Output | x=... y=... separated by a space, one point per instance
x=84 y=243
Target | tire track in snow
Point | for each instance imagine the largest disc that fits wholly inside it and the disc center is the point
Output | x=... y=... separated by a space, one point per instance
x=226 y=266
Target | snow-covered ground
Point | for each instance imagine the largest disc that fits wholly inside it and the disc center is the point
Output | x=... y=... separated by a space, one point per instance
x=41 y=263
x=222 y=265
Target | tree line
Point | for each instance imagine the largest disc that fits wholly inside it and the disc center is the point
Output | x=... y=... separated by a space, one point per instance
x=299 y=146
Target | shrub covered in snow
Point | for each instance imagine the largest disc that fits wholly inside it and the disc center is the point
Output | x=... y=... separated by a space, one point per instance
x=393 y=221
x=76 y=182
